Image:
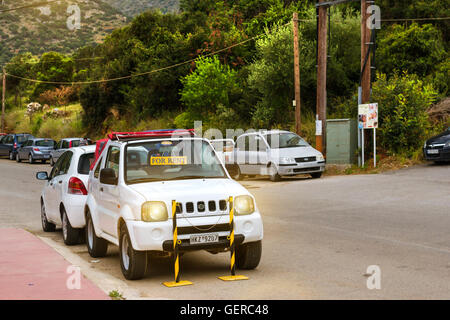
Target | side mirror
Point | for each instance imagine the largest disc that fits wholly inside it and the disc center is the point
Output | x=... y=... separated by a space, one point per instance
x=108 y=176
x=42 y=175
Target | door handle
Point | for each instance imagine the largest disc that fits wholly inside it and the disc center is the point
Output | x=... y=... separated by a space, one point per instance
x=101 y=189
x=60 y=181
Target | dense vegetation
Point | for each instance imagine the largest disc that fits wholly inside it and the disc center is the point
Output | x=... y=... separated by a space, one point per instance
x=250 y=85
x=131 y=8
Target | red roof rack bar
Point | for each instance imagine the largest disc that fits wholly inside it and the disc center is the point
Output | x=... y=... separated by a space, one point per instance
x=153 y=134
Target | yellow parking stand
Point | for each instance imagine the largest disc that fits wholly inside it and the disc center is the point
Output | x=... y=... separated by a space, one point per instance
x=176 y=254
x=233 y=276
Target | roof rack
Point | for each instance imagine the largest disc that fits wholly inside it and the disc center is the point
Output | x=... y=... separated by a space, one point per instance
x=151 y=134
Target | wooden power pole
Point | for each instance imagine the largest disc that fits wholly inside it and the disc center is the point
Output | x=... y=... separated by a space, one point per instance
x=321 y=102
x=3 y=99
x=365 y=54
x=298 y=125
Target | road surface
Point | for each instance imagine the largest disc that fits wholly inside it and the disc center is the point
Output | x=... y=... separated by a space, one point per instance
x=320 y=238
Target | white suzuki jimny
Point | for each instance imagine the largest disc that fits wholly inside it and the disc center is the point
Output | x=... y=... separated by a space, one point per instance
x=133 y=184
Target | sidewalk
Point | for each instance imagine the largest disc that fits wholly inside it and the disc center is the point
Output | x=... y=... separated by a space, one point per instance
x=31 y=270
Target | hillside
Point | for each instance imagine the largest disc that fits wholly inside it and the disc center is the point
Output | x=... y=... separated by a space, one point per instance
x=43 y=29
x=131 y=8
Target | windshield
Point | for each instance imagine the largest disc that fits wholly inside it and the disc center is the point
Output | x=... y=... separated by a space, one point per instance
x=171 y=160
x=285 y=140
x=44 y=143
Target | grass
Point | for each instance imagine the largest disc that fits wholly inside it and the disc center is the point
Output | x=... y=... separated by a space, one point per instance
x=116 y=295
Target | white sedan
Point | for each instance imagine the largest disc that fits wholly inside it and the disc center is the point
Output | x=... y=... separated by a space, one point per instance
x=64 y=195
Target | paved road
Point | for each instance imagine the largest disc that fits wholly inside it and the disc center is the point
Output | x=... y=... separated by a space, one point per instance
x=320 y=238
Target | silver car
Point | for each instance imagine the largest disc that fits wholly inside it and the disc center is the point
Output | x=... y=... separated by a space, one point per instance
x=35 y=149
x=62 y=146
x=276 y=153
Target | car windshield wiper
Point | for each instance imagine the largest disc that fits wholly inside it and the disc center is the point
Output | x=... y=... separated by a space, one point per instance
x=140 y=180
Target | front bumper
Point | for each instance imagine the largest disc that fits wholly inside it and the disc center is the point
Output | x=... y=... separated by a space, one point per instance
x=158 y=236
x=301 y=168
x=439 y=155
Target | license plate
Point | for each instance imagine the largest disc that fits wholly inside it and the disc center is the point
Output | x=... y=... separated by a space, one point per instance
x=204 y=238
x=432 y=151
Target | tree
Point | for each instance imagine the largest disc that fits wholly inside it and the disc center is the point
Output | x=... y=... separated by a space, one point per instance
x=416 y=49
x=20 y=65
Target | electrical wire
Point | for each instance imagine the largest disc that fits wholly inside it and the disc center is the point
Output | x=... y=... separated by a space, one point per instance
x=142 y=73
x=39 y=4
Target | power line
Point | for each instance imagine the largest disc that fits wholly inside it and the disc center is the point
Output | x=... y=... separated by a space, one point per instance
x=39 y=4
x=142 y=73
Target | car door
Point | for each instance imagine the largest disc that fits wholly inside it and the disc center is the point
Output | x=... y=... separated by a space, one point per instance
x=2 y=145
x=25 y=150
x=262 y=155
x=61 y=182
x=5 y=145
x=242 y=153
x=51 y=205
x=109 y=195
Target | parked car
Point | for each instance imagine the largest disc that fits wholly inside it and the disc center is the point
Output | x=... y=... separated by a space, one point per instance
x=11 y=142
x=224 y=149
x=131 y=192
x=276 y=153
x=62 y=146
x=437 y=149
x=35 y=149
x=64 y=195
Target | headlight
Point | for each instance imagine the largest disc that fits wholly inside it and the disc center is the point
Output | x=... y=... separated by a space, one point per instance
x=320 y=157
x=287 y=160
x=244 y=205
x=447 y=144
x=153 y=211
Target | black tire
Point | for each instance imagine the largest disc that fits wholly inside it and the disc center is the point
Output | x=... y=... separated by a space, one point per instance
x=316 y=175
x=18 y=158
x=71 y=236
x=46 y=225
x=133 y=263
x=248 y=255
x=30 y=159
x=97 y=247
x=273 y=174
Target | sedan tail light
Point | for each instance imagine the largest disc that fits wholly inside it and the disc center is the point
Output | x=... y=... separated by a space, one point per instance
x=76 y=186
x=15 y=145
x=36 y=149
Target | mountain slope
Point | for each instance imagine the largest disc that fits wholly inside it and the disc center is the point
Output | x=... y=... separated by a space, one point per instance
x=43 y=29
x=131 y=8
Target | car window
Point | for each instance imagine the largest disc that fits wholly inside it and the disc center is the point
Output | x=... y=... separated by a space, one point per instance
x=76 y=143
x=285 y=140
x=112 y=160
x=65 y=144
x=97 y=168
x=65 y=163
x=85 y=162
x=44 y=143
x=57 y=167
x=22 y=139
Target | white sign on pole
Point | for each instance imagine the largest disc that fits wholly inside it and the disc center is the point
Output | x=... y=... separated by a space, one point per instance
x=368 y=119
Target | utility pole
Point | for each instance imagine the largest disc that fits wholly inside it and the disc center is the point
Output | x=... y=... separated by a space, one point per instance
x=298 y=125
x=321 y=102
x=3 y=99
x=365 y=53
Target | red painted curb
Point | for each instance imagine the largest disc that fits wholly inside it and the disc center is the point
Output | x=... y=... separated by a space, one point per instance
x=32 y=270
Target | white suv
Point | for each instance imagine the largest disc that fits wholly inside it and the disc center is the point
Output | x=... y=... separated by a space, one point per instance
x=276 y=153
x=131 y=190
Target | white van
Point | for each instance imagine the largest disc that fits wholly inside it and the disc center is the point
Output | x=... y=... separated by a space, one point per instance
x=276 y=153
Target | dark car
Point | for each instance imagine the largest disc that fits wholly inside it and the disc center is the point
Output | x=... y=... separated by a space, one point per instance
x=35 y=149
x=11 y=142
x=437 y=149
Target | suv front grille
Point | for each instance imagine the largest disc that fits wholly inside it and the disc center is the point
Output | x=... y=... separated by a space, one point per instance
x=210 y=206
x=305 y=159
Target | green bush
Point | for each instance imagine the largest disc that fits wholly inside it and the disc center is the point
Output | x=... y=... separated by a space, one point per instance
x=403 y=122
